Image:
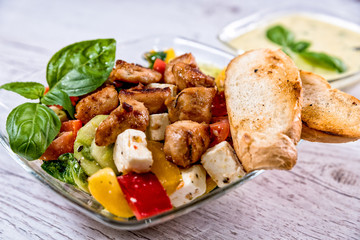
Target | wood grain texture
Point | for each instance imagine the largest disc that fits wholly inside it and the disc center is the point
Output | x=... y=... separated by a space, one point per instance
x=318 y=199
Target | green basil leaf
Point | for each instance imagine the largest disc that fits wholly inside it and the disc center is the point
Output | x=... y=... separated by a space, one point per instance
x=30 y=90
x=300 y=46
x=279 y=35
x=59 y=97
x=324 y=60
x=152 y=56
x=31 y=128
x=68 y=170
x=82 y=67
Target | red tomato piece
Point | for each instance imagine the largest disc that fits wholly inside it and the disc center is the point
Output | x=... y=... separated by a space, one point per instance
x=64 y=143
x=145 y=194
x=219 y=132
x=159 y=66
x=218 y=107
x=219 y=119
x=71 y=125
x=74 y=100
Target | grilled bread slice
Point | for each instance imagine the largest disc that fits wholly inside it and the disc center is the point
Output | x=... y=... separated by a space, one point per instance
x=328 y=114
x=264 y=96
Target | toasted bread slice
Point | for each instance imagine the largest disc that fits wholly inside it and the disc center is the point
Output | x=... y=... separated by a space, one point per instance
x=263 y=96
x=312 y=135
x=329 y=114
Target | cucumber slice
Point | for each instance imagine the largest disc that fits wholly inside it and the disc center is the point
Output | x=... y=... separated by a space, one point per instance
x=83 y=143
x=103 y=155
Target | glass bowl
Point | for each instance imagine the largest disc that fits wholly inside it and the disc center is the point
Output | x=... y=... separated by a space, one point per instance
x=267 y=16
x=131 y=51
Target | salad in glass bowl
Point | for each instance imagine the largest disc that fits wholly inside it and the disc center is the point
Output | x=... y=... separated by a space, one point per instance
x=125 y=133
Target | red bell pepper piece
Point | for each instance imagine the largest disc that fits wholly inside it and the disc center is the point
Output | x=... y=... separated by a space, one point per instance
x=159 y=66
x=145 y=194
x=71 y=125
x=218 y=107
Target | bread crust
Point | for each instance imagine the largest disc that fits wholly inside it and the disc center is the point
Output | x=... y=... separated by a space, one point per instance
x=313 y=135
x=263 y=94
x=328 y=113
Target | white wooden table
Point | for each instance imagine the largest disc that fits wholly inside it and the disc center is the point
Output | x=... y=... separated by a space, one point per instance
x=319 y=198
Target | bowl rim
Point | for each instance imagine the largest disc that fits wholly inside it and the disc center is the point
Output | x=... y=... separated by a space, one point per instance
x=144 y=223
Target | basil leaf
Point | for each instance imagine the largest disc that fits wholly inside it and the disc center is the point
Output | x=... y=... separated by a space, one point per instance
x=82 y=67
x=152 y=56
x=300 y=46
x=279 y=35
x=68 y=170
x=30 y=90
x=58 y=97
x=31 y=128
x=324 y=60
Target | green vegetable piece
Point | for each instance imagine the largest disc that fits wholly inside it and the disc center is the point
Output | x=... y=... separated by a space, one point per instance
x=324 y=60
x=103 y=155
x=152 y=56
x=68 y=170
x=59 y=97
x=31 y=128
x=82 y=67
x=82 y=145
x=30 y=90
x=279 y=35
x=300 y=46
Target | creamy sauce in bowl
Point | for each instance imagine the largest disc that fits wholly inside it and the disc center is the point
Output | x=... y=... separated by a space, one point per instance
x=333 y=39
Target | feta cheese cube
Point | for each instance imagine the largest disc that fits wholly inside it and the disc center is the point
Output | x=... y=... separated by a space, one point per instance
x=192 y=186
x=222 y=164
x=157 y=125
x=131 y=153
x=172 y=87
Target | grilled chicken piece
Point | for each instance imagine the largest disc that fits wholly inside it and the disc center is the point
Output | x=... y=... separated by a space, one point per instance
x=187 y=58
x=153 y=98
x=186 y=76
x=130 y=114
x=101 y=102
x=191 y=104
x=185 y=142
x=132 y=73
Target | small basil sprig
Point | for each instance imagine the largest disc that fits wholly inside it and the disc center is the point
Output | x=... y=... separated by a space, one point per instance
x=75 y=70
x=285 y=38
x=324 y=60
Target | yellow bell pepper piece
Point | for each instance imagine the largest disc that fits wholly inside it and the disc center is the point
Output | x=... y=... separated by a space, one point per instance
x=168 y=173
x=170 y=55
x=210 y=184
x=220 y=80
x=105 y=188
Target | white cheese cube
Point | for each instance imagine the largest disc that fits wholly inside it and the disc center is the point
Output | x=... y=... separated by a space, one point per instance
x=172 y=87
x=192 y=186
x=222 y=164
x=157 y=125
x=131 y=153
